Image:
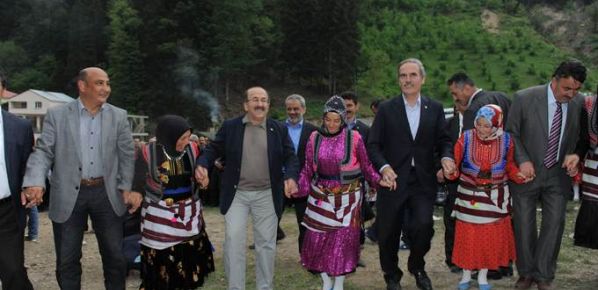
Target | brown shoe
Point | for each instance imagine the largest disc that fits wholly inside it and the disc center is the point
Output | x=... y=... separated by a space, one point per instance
x=524 y=282
x=544 y=286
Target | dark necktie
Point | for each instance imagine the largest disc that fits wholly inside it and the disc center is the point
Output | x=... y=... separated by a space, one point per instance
x=554 y=137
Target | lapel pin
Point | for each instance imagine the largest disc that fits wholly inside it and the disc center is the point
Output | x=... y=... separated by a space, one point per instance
x=426 y=107
x=271 y=129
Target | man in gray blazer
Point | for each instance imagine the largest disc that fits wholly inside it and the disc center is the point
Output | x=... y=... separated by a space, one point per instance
x=546 y=123
x=89 y=147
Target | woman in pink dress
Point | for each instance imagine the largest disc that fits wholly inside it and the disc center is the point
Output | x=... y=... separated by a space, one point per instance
x=335 y=160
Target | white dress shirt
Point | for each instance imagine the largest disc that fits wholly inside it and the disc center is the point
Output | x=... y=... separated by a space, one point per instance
x=4 y=188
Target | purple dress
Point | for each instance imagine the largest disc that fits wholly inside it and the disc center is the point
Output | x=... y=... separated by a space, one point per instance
x=333 y=252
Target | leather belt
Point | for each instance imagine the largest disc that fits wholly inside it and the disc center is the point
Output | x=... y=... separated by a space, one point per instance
x=92 y=182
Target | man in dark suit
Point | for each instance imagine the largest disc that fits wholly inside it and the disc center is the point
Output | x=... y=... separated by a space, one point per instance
x=16 y=143
x=546 y=123
x=299 y=131
x=471 y=98
x=352 y=105
x=467 y=95
x=260 y=166
x=406 y=133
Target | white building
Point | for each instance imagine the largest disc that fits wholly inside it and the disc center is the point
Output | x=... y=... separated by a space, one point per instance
x=33 y=105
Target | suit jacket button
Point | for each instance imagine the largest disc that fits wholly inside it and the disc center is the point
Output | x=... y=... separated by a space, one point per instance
x=76 y=187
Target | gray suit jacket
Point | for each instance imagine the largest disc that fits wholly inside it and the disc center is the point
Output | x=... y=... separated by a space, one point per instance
x=528 y=124
x=58 y=148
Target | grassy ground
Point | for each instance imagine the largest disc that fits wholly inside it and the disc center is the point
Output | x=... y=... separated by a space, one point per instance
x=577 y=267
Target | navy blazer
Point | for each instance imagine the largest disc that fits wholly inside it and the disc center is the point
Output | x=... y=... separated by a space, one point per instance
x=228 y=144
x=18 y=144
x=390 y=142
x=303 y=139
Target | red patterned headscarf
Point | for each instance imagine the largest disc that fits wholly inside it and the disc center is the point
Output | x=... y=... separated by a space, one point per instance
x=493 y=114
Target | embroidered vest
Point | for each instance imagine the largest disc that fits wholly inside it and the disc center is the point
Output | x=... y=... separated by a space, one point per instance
x=153 y=184
x=469 y=166
x=349 y=167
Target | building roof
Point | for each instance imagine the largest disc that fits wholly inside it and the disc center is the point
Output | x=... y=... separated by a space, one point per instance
x=54 y=96
x=6 y=94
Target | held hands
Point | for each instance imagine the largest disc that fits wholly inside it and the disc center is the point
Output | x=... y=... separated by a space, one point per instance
x=440 y=176
x=571 y=164
x=32 y=196
x=389 y=178
x=448 y=167
x=201 y=175
x=290 y=187
x=527 y=170
x=133 y=199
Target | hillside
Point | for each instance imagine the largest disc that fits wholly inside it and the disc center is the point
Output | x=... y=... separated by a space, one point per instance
x=500 y=51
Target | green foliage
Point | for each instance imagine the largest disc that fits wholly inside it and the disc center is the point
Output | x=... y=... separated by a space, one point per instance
x=516 y=57
x=12 y=57
x=188 y=56
x=125 y=57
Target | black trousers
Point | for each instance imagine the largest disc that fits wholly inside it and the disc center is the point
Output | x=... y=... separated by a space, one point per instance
x=300 y=206
x=108 y=227
x=12 y=259
x=449 y=223
x=391 y=206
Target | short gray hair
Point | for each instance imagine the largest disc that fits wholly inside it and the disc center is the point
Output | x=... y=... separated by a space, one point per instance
x=296 y=97
x=416 y=61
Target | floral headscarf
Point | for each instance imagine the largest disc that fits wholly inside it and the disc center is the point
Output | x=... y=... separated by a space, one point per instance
x=493 y=114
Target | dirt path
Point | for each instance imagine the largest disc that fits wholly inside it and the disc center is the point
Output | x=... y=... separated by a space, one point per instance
x=577 y=266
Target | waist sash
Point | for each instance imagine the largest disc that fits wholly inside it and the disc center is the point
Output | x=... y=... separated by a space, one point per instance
x=163 y=225
x=331 y=209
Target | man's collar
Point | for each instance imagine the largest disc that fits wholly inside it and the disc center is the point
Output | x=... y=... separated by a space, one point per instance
x=262 y=124
x=550 y=94
x=417 y=102
x=473 y=96
x=82 y=107
x=289 y=124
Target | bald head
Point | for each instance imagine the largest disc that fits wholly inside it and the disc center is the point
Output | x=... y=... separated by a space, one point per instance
x=94 y=86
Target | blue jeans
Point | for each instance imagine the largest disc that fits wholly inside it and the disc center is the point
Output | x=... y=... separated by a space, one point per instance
x=32 y=222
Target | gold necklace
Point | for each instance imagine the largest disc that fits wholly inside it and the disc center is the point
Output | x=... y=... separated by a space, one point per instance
x=176 y=166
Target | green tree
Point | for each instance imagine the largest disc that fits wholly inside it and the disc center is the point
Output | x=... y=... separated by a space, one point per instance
x=87 y=41
x=125 y=63
x=13 y=57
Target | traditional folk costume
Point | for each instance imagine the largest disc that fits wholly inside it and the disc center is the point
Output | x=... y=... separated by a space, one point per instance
x=586 y=225
x=334 y=165
x=175 y=250
x=483 y=231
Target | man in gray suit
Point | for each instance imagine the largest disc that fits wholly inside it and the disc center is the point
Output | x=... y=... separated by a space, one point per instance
x=546 y=123
x=89 y=146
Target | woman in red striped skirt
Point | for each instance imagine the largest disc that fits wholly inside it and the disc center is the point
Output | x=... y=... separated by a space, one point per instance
x=483 y=232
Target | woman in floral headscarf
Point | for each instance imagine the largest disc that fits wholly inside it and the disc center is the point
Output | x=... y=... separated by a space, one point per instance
x=483 y=233
x=335 y=160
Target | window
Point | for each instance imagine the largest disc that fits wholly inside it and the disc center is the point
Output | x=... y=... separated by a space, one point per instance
x=19 y=105
x=38 y=105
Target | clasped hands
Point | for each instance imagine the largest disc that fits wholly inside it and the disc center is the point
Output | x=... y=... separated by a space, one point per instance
x=32 y=196
x=570 y=164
